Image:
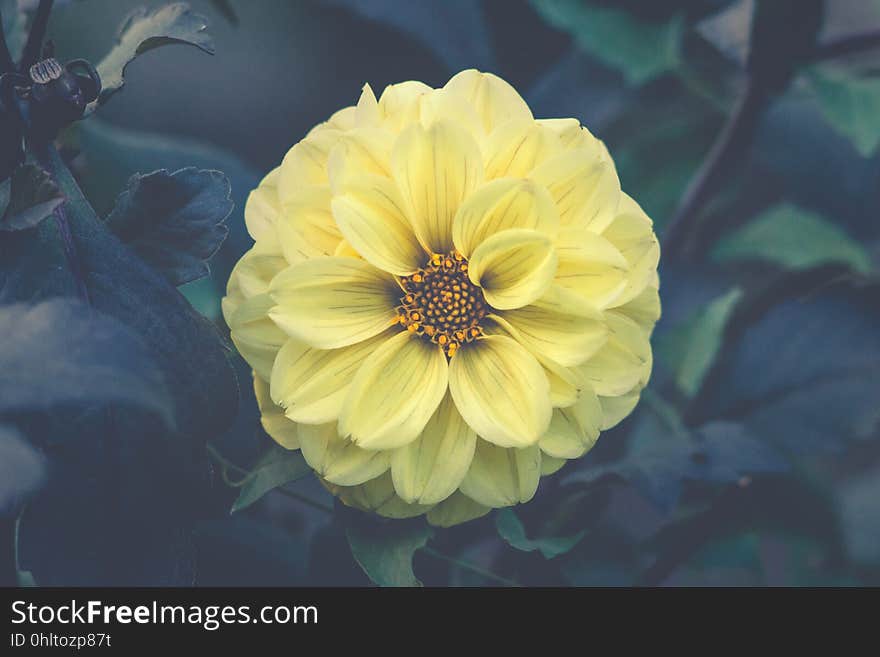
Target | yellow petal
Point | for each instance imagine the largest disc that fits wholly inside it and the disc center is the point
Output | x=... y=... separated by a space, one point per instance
x=516 y=147
x=398 y=104
x=367 y=110
x=431 y=467
x=560 y=325
x=394 y=393
x=586 y=189
x=333 y=302
x=502 y=476
x=310 y=384
x=358 y=152
x=306 y=227
x=263 y=207
x=435 y=170
x=306 y=163
x=514 y=267
x=255 y=335
x=615 y=409
x=573 y=430
x=368 y=212
x=501 y=205
x=343 y=119
x=441 y=105
x=456 y=509
x=644 y=310
x=501 y=391
x=251 y=276
x=346 y=250
x=632 y=234
x=494 y=99
x=279 y=427
x=377 y=495
x=551 y=465
x=338 y=460
x=565 y=383
x=624 y=360
x=591 y=266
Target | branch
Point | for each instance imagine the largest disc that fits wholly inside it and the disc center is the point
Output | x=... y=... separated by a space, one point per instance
x=31 y=53
x=849 y=45
x=725 y=153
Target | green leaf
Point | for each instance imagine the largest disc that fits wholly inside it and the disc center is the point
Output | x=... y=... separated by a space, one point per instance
x=23 y=470
x=26 y=579
x=385 y=550
x=27 y=198
x=690 y=348
x=114 y=154
x=640 y=50
x=511 y=529
x=851 y=105
x=144 y=30
x=158 y=479
x=174 y=221
x=278 y=466
x=659 y=141
x=94 y=359
x=858 y=499
x=792 y=237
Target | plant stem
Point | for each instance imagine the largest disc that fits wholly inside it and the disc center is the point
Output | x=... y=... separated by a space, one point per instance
x=466 y=565
x=50 y=160
x=325 y=508
x=33 y=46
x=6 y=63
x=849 y=45
x=726 y=151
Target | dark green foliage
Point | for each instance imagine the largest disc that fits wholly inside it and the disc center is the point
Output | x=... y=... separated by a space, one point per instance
x=753 y=456
x=174 y=221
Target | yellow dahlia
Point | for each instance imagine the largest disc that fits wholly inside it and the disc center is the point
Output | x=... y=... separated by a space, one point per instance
x=446 y=298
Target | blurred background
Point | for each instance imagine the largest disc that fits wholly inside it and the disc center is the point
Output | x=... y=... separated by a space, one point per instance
x=754 y=457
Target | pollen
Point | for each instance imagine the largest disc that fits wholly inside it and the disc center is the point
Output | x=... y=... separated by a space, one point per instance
x=441 y=304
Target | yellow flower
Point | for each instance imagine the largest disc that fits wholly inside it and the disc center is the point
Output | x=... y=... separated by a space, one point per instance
x=446 y=298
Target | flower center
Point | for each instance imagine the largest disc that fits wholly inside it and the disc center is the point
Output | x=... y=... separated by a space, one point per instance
x=441 y=304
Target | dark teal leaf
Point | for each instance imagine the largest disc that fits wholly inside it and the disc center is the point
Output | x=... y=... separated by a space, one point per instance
x=851 y=105
x=278 y=466
x=794 y=238
x=26 y=579
x=112 y=155
x=385 y=550
x=455 y=30
x=663 y=454
x=125 y=491
x=144 y=30
x=22 y=471
x=858 y=499
x=689 y=349
x=726 y=452
x=27 y=198
x=803 y=374
x=511 y=529
x=61 y=352
x=174 y=221
x=639 y=49
x=650 y=127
